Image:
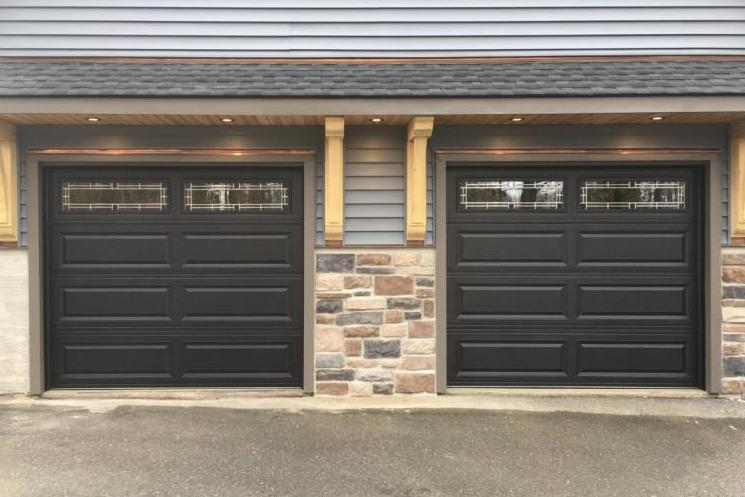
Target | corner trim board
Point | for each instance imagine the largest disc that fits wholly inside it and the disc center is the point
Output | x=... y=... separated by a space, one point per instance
x=419 y=131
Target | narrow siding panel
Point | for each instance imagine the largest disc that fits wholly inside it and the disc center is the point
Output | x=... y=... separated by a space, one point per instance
x=375 y=191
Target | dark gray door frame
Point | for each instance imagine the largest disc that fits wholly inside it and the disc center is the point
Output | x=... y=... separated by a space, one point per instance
x=36 y=241
x=710 y=162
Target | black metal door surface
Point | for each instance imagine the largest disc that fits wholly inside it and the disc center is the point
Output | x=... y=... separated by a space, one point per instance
x=574 y=276
x=188 y=276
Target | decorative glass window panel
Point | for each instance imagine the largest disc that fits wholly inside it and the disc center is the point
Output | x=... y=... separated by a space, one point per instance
x=511 y=195
x=633 y=194
x=236 y=196
x=114 y=196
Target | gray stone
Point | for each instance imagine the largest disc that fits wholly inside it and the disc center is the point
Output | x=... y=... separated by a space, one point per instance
x=362 y=294
x=734 y=366
x=365 y=317
x=335 y=360
x=335 y=263
x=403 y=303
x=375 y=270
x=335 y=374
x=428 y=282
x=329 y=306
x=734 y=337
x=374 y=375
x=412 y=315
x=383 y=389
x=733 y=292
x=376 y=348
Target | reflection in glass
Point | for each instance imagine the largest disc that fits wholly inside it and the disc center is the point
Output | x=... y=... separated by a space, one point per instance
x=114 y=196
x=633 y=194
x=236 y=196
x=511 y=195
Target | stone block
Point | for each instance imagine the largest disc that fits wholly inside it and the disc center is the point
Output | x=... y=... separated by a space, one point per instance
x=361 y=331
x=329 y=282
x=353 y=347
x=383 y=388
x=394 y=330
x=732 y=337
x=733 y=348
x=327 y=360
x=428 y=308
x=375 y=270
x=393 y=285
x=335 y=263
x=360 y=389
x=421 y=329
x=417 y=362
x=373 y=260
x=415 y=382
x=356 y=362
x=733 y=366
x=729 y=385
x=427 y=259
x=334 y=374
x=332 y=388
x=374 y=375
x=325 y=319
x=405 y=259
x=733 y=258
x=419 y=346
x=403 y=303
x=394 y=316
x=733 y=314
x=365 y=303
x=425 y=293
x=363 y=317
x=733 y=292
x=390 y=363
x=425 y=282
x=329 y=306
x=411 y=315
x=357 y=281
x=377 y=348
x=416 y=270
x=329 y=339
x=362 y=294
x=331 y=295
x=733 y=274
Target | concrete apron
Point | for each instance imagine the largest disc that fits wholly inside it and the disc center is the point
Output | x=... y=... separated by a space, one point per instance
x=647 y=402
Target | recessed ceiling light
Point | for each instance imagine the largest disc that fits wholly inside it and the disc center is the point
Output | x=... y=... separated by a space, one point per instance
x=226 y=119
x=376 y=120
x=93 y=119
x=517 y=119
x=657 y=118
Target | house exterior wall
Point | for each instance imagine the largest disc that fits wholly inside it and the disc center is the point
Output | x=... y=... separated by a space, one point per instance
x=14 y=325
x=733 y=320
x=333 y=28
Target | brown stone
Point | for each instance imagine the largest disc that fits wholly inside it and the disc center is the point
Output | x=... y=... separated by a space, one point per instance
x=426 y=293
x=732 y=385
x=730 y=349
x=353 y=347
x=394 y=316
x=393 y=285
x=418 y=362
x=325 y=318
x=355 y=362
x=331 y=295
x=332 y=388
x=329 y=282
x=421 y=329
x=329 y=339
x=733 y=328
x=428 y=306
x=405 y=259
x=733 y=259
x=361 y=331
x=373 y=260
x=394 y=330
x=733 y=274
x=415 y=382
x=358 y=281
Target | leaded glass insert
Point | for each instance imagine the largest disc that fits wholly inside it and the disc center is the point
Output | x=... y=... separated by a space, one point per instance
x=236 y=196
x=114 y=196
x=511 y=195
x=633 y=194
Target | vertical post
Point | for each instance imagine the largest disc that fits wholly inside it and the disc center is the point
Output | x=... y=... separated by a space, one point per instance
x=8 y=185
x=737 y=166
x=419 y=131
x=334 y=182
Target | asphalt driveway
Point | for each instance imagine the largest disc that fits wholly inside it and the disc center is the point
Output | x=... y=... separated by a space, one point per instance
x=196 y=451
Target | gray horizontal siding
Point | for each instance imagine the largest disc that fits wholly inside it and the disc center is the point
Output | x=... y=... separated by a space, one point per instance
x=374 y=185
x=349 y=28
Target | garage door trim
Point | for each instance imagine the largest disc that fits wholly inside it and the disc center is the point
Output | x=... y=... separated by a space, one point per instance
x=710 y=164
x=36 y=207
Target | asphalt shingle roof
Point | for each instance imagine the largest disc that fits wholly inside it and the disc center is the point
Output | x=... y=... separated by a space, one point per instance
x=422 y=79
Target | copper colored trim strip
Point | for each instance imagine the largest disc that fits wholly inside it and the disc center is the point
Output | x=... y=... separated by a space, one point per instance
x=570 y=151
x=374 y=60
x=173 y=151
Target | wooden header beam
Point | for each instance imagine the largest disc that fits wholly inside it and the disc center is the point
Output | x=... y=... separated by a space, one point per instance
x=419 y=131
x=737 y=184
x=334 y=182
x=8 y=185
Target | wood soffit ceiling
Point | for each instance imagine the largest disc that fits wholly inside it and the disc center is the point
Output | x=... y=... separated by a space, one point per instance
x=390 y=120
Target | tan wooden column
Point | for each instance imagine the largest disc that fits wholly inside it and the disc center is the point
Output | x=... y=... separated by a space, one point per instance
x=737 y=183
x=8 y=185
x=334 y=182
x=420 y=129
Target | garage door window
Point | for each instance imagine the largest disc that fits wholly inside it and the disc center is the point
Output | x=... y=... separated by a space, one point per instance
x=633 y=194
x=114 y=196
x=236 y=196
x=483 y=195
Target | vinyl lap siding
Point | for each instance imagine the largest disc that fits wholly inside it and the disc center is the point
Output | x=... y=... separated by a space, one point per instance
x=355 y=28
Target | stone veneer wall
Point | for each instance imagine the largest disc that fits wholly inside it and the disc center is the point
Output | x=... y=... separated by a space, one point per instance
x=14 y=326
x=733 y=320
x=375 y=329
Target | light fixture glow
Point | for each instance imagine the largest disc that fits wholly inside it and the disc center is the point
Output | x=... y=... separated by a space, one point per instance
x=517 y=119
x=657 y=118
x=226 y=119
x=93 y=119
x=376 y=120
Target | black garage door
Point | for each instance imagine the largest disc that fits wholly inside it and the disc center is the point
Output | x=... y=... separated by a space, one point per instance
x=188 y=276
x=574 y=276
